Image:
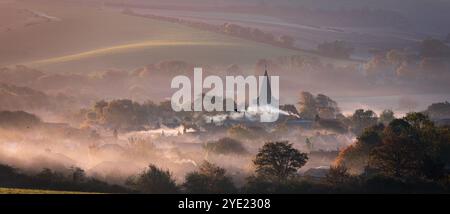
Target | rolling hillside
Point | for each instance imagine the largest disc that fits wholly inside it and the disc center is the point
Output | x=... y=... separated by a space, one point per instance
x=69 y=37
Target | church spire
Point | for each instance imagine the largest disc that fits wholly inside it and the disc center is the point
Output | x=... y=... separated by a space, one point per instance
x=266 y=86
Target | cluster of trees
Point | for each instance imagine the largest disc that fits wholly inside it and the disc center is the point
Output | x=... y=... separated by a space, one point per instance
x=408 y=155
x=236 y=30
x=321 y=106
x=410 y=147
x=437 y=111
x=118 y=114
x=153 y=180
x=209 y=178
x=355 y=123
x=275 y=163
x=326 y=113
x=430 y=62
x=362 y=119
x=74 y=179
x=14 y=97
x=125 y=114
x=226 y=145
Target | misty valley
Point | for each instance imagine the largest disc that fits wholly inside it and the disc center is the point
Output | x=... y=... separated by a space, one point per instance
x=106 y=96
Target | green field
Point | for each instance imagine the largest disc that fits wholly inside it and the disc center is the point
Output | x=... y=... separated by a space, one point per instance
x=36 y=191
x=89 y=38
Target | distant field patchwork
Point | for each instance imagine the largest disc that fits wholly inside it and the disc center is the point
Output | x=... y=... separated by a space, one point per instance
x=83 y=39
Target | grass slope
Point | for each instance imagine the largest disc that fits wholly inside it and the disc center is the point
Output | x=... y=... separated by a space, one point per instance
x=36 y=191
